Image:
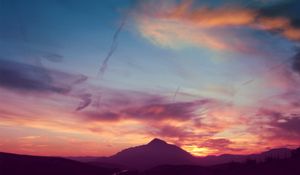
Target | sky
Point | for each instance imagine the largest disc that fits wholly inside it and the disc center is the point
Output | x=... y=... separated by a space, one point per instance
x=90 y=78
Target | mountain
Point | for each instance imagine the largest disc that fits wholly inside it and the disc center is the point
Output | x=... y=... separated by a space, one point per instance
x=14 y=164
x=226 y=158
x=157 y=152
x=270 y=166
x=156 y=158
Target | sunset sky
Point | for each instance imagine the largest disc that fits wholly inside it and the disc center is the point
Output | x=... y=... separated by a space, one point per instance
x=92 y=77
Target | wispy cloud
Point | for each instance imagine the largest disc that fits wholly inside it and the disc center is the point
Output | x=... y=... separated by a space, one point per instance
x=176 y=25
x=30 y=78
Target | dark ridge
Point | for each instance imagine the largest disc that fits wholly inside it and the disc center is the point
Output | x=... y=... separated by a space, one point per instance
x=14 y=164
x=157 y=141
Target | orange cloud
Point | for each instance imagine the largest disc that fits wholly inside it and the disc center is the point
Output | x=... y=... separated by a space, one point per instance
x=178 y=34
x=180 y=25
x=208 y=17
x=177 y=27
x=279 y=23
x=292 y=33
x=268 y=23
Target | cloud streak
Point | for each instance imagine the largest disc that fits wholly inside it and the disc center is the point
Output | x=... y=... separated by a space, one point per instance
x=86 y=101
x=36 y=80
x=29 y=78
x=180 y=111
x=176 y=25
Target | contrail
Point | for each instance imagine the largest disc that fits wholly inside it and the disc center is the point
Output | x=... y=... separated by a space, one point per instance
x=247 y=82
x=112 y=49
x=175 y=94
x=104 y=64
x=86 y=99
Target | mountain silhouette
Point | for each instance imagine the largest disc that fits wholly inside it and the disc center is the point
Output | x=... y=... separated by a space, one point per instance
x=14 y=164
x=279 y=153
x=156 y=152
x=270 y=166
x=156 y=158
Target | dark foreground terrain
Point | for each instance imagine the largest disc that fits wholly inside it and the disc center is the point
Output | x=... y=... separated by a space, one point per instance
x=287 y=166
x=12 y=164
x=155 y=158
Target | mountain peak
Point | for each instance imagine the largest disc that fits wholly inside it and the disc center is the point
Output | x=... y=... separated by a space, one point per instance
x=156 y=152
x=157 y=141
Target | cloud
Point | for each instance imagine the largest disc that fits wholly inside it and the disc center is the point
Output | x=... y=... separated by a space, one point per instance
x=216 y=143
x=143 y=107
x=53 y=57
x=281 y=25
x=284 y=8
x=86 y=101
x=178 y=34
x=172 y=132
x=211 y=17
x=296 y=62
x=102 y=116
x=278 y=123
x=220 y=145
x=158 y=111
x=30 y=137
x=29 y=78
x=176 y=25
x=34 y=80
x=24 y=77
x=290 y=124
